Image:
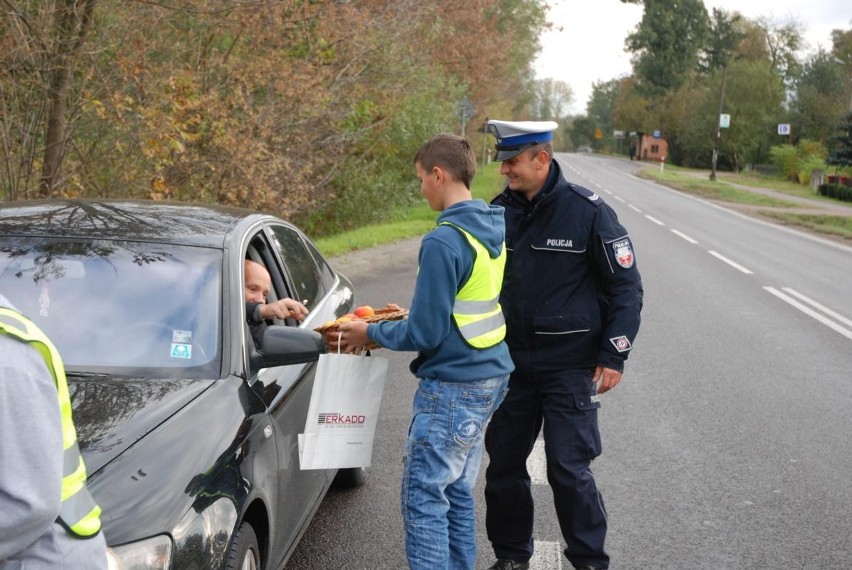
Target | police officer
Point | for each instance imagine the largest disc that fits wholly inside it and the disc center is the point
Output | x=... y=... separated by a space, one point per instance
x=572 y=297
x=48 y=519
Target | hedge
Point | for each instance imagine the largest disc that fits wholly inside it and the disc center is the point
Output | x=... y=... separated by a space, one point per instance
x=836 y=191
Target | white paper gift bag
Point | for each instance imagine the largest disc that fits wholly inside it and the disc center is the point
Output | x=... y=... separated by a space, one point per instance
x=343 y=412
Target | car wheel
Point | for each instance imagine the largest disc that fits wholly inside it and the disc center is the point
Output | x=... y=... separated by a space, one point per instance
x=351 y=477
x=244 y=553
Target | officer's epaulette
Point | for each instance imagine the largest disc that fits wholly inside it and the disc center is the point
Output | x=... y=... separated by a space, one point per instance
x=586 y=193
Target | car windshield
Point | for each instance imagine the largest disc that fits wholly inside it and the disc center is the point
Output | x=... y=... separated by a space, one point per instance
x=119 y=307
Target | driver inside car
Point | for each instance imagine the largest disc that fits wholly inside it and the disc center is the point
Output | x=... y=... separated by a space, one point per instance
x=258 y=284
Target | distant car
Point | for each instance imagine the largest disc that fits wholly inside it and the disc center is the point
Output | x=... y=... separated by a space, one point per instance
x=584 y=148
x=188 y=432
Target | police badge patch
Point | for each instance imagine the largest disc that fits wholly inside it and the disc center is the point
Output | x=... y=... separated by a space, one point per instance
x=623 y=253
x=621 y=343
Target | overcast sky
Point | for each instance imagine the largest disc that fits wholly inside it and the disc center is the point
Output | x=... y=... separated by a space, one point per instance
x=589 y=47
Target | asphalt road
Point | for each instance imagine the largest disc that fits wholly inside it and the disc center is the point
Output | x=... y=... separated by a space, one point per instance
x=727 y=444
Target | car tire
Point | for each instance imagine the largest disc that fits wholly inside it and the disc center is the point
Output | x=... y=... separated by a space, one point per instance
x=245 y=552
x=350 y=477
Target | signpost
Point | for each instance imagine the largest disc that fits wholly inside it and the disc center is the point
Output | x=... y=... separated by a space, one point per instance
x=465 y=111
x=719 y=125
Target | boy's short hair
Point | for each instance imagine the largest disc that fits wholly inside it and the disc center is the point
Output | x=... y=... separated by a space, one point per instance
x=450 y=152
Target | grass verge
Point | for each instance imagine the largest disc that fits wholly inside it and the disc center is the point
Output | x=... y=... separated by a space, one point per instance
x=418 y=220
x=408 y=223
x=686 y=181
x=840 y=226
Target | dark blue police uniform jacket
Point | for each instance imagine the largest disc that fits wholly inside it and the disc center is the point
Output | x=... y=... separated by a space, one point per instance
x=572 y=294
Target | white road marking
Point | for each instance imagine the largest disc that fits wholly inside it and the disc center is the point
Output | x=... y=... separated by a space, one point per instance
x=546 y=556
x=684 y=236
x=655 y=220
x=822 y=308
x=733 y=264
x=810 y=312
x=537 y=464
x=620 y=199
x=634 y=208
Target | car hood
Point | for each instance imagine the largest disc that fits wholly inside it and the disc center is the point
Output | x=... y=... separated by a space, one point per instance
x=111 y=414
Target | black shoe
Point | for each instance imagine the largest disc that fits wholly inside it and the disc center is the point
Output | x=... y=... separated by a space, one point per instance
x=503 y=564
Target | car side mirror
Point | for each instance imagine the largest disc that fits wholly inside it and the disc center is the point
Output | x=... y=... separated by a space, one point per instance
x=283 y=345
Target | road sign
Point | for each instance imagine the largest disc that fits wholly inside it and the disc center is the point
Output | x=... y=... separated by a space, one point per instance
x=464 y=109
x=598 y=134
x=724 y=121
x=618 y=134
x=657 y=134
x=784 y=129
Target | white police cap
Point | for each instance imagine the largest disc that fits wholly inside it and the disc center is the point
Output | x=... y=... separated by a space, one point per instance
x=515 y=136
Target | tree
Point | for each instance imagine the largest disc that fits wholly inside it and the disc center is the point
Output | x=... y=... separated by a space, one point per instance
x=820 y=97
x=841 y=53
x=667 y=42
x=753 y=97
x=632 y=111
x=724 y=34
x=601 y=105
x=42 y=53
x=550 y=99
x=303 y=109
x=783 y=41
x=583 y=131
x=840 y=144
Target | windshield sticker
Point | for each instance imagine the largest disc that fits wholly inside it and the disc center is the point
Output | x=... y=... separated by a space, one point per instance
x=183 y=337
x=180 y=350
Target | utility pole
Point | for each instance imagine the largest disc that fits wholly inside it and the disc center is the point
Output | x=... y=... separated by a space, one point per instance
x=719 y=123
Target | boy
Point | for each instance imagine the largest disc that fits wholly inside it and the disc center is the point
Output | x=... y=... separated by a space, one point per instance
x=456 y=325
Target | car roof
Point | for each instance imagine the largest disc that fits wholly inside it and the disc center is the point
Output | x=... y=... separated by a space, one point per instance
x=138 y=220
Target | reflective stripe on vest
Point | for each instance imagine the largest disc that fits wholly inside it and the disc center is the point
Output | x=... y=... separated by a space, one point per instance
x=477 y=312
x=78 y=513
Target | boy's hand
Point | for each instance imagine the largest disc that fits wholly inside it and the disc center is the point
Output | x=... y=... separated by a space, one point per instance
x=352 y=336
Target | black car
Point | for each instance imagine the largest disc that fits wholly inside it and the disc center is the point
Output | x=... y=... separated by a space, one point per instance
x=189 y=433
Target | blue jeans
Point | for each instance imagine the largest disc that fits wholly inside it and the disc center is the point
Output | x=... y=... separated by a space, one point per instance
x=442 y=458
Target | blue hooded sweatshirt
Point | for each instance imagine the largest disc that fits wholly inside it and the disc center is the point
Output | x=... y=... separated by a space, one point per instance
x=444 y=266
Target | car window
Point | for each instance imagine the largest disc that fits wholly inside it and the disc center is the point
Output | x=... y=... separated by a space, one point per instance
x=306 y=275
x=326 y=272
x=132 y=308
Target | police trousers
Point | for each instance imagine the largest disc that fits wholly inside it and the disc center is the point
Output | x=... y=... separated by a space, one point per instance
x=566 y=406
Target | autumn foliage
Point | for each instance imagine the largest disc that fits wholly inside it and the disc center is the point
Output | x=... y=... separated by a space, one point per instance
x=303 y=109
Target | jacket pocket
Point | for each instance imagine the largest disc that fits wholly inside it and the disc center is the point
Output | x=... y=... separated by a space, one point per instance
x=560 y=325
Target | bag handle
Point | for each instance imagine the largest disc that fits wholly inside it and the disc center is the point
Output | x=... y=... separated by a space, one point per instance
x=367 y=353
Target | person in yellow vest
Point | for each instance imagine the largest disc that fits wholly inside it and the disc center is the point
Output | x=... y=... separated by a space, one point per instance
x=455 y=324
x=48 y=519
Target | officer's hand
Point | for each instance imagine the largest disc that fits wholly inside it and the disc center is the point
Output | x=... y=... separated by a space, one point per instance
x=607 y=377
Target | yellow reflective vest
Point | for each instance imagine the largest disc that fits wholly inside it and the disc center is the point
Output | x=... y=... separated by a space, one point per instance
x=476 y=311
x=78 y=513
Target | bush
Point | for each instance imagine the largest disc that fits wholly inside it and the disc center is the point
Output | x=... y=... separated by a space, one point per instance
x=807 y=167
x=836 y=191
x=797 y=162
x=786 y=157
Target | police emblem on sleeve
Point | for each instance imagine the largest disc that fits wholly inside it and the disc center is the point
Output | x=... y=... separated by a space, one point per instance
x=621 y=343
x=623 y=253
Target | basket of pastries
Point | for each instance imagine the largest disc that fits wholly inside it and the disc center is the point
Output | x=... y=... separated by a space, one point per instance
x=330 y=329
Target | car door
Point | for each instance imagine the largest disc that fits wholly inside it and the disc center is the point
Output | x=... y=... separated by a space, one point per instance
x=286 y=391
